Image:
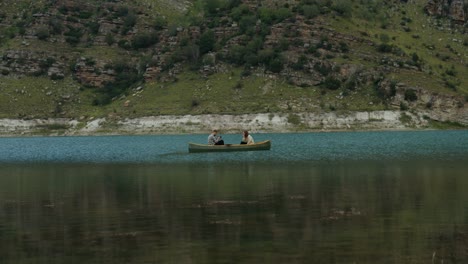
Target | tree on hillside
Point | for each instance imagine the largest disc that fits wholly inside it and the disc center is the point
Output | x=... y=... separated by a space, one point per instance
x=344 y=8
x=212 y=6
x=207 y=42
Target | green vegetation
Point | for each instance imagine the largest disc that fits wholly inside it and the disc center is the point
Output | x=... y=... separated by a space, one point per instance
x=445 y=125
x=294 y=119
x=405 y=119
x=144 y=40
x=125 y=77
x=428 y=49
x=42 y=33
x=410 y=95
x=308 y=55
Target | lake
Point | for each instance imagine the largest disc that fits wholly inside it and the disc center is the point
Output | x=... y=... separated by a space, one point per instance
x=345 y=197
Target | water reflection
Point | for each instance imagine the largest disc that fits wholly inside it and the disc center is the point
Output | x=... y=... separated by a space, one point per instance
x=360 y=212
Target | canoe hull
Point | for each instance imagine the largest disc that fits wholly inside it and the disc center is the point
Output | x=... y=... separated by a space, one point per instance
x=264 y=145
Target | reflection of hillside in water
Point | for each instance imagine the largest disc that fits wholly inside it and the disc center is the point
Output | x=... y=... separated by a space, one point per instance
x=319 y=212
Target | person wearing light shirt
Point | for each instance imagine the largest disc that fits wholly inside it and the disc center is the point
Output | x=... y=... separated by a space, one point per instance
x=246 y=138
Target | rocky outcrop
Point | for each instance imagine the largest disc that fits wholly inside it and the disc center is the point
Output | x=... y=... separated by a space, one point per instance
x=435 y=106
x=202 y=123
x=19 y=127
x=258 y=123
x=454 y=9
x=93 y=73
x=432 y=105
x=26 y=62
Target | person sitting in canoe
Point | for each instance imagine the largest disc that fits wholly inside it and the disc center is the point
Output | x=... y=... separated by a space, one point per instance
x=246 y=138
x=214 y=139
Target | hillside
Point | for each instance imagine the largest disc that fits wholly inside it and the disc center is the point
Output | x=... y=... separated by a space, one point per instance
x=119 y=59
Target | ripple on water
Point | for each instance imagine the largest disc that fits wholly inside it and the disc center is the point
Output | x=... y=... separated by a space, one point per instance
x=304 y=147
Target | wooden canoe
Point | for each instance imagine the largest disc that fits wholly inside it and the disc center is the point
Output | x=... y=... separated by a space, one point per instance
x=264 y=145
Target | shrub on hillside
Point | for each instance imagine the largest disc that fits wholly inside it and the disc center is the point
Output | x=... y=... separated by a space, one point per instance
x=310 y=11
x=93 y=27
x=125 y=76
x=159 y=23
x=122 y=11
x=450 y=84
x=240 y=11
x=45 y=64
x=385 y=48
x=233 y=3
x=352 y=82
x=255 y=44
x=451 y=71
x=251 y=59
x=195 y=102
x=192 y=53
x=344 y=8
x=124 y=44
x=21 y=26
x=322 y=68
x=299 y=65
x=56 y=25
x=207 y=42
x=73 y=35
x=384 y=38
x=83 y=14
x=236 y=54
x=271 y=16
x=266 y=55
x=282 y=45
x=144 y=40
x=129 y=22
x=212 y=6
x=415 y=57
x=294 y=119
x=63 y=9
x=410 y=95
x=110 y=40
x=246 y=24
x=332 y=83
x=56 y=77
x=42 y=33
x=403 y=106
x=276 y=65
x=344 y=47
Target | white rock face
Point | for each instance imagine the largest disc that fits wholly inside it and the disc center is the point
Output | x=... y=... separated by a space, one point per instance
x=257 y=123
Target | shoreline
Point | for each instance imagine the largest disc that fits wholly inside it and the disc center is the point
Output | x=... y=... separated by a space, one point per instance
x=228 y=124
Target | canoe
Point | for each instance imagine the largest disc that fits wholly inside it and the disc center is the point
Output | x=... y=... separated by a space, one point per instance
x=264 y=145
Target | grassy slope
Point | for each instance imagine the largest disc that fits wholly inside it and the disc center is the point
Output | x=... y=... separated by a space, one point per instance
x=228 y=92
x=218 y=93
x=422 y=34
x=28 y=96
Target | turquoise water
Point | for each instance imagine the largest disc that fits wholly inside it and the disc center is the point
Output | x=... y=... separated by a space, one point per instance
x=364 y=197
x=285 y=148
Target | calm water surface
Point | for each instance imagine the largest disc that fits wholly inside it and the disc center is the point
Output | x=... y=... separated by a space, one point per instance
x=365 y=197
